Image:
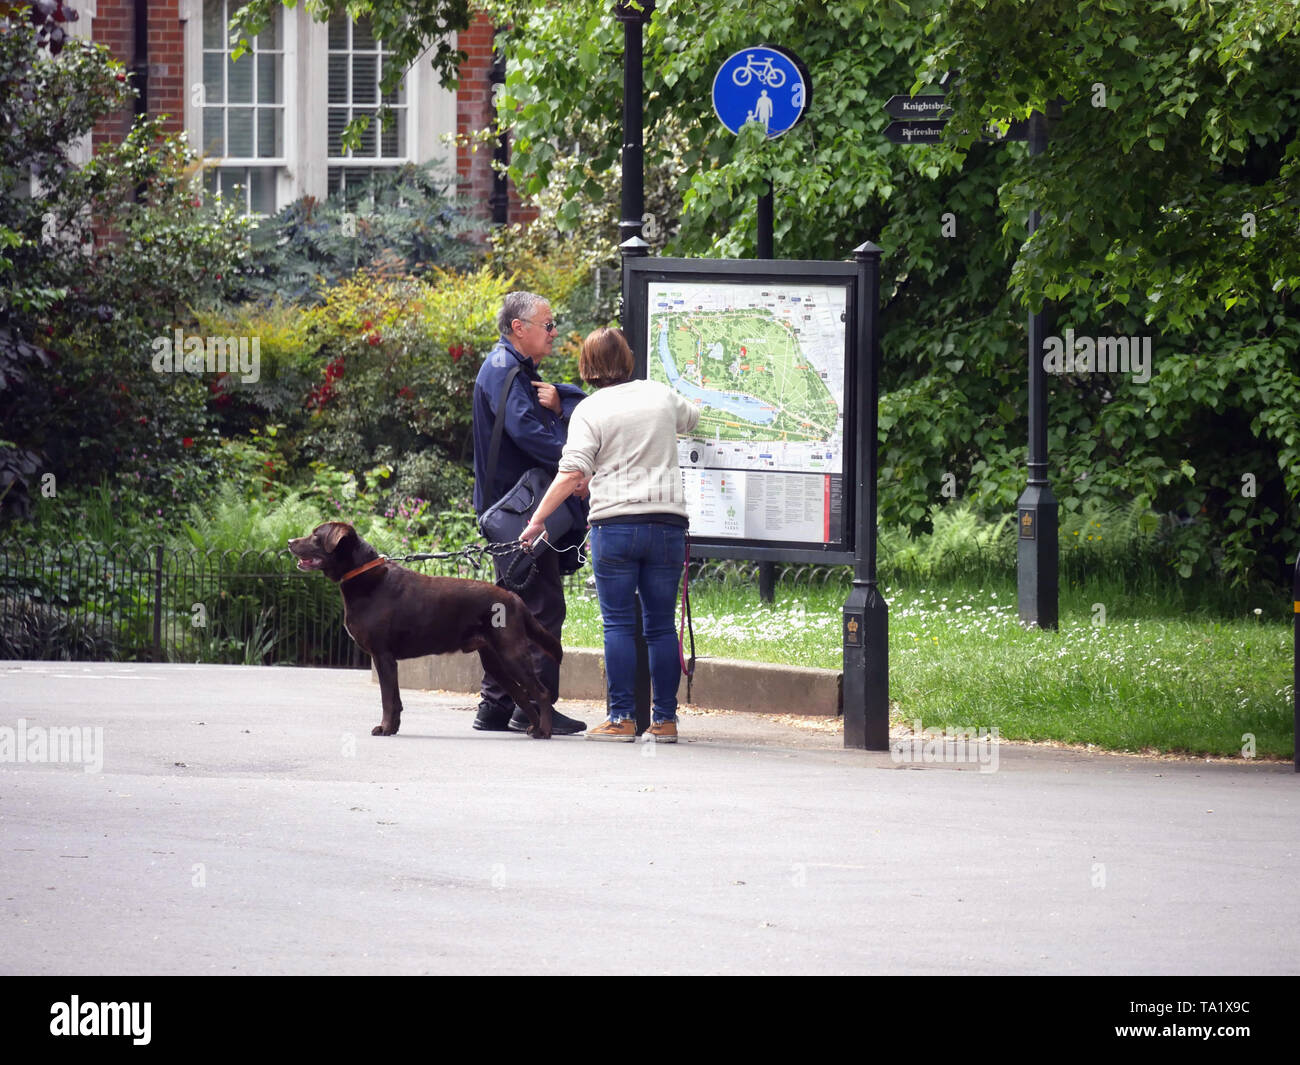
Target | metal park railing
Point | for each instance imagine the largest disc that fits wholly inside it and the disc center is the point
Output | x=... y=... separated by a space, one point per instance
x=93 y=602
x=96 y=602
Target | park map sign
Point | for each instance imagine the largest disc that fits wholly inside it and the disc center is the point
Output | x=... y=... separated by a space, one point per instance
x=762 y=348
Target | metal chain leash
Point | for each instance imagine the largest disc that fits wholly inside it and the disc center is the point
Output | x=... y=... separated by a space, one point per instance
x=477 y=554
x=474 y=553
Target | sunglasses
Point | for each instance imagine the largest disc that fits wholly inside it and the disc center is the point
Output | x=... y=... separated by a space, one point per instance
x=550 y=326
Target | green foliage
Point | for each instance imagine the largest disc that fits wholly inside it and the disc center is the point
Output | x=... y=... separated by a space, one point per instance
x=826 y=173
x=960 y=544
x=76 y=318
x=288 y=363
x=562 y=266
x=402 y=357
x=232 y=520
x=1145 y=230
x=1176 y=120
x=407 y=217
x=30 y=629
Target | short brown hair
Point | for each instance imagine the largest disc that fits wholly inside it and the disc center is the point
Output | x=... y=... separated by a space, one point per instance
x=605 y=358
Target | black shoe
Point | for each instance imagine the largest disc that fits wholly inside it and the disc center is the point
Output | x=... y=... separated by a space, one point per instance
x=492 y=718
x=560 y=725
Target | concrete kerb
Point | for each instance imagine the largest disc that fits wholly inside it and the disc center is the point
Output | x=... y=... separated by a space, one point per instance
x=723 y=683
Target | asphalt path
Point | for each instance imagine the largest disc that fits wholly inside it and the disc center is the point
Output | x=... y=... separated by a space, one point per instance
x=243 y=820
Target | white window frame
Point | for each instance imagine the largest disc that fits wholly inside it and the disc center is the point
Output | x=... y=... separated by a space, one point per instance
x=191 y=15
x=406 y=112
x=303 y=170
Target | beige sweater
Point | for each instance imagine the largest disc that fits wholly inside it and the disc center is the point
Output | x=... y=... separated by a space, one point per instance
x=624 y=437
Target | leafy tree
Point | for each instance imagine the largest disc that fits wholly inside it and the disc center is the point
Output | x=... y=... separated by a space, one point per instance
x=1169 y=213
x=1169 y=200
x=1170 y=195
x=78 y=395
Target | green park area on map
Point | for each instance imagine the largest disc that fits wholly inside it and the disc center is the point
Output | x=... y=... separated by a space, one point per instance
x=752 y=353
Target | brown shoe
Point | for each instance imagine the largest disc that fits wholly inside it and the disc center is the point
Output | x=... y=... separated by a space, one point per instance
x=662 y=732
x=624 y=731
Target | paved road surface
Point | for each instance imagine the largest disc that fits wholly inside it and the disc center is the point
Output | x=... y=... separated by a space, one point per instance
x=244 y=821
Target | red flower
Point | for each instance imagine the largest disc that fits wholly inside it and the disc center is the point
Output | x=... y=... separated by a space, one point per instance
x=187 y=441
x=373 y=339
x=366 y=324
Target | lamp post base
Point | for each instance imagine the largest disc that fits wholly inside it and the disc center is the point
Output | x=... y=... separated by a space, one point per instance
x=1037 y=558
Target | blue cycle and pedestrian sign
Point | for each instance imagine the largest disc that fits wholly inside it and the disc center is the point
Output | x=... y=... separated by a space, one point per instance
x=761 y=84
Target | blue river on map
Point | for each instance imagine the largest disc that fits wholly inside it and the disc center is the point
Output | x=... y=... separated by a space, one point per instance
x=742 y=406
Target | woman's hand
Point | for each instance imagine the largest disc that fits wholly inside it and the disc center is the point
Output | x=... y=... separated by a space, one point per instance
x=531 y=532
x=561 y=488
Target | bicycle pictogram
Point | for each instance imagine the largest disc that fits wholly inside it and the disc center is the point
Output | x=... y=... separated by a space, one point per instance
x=765 y=72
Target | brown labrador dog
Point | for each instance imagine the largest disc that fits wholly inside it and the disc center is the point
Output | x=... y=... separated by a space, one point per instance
x=393 y=612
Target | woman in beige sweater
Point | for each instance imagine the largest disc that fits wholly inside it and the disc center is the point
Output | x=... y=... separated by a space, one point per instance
x=623 y=443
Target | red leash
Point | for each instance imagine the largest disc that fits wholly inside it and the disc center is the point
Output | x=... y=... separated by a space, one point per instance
x=684 y=625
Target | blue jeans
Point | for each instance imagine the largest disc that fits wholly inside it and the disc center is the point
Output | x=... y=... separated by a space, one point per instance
x=644 y=557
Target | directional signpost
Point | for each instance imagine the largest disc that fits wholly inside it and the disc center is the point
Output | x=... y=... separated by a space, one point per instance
x=927 y=132
x=921 y=120
x=929 y=106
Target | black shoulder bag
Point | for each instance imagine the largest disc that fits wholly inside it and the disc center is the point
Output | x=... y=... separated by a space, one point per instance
x=505 y=519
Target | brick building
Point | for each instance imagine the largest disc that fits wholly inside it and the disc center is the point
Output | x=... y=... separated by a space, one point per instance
x=269 y=125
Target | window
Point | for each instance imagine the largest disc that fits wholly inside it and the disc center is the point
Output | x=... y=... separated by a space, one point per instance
x=270 y=124
x=356 y=64
x=243 y=110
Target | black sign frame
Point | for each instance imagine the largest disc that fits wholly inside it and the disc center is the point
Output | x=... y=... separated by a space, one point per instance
x=640 y=272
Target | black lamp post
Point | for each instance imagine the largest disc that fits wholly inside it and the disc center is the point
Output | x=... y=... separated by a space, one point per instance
x=633 y=14
x=866 y=614
x=1036 y=510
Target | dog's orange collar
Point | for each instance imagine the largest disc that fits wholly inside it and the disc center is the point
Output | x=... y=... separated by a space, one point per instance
x=362 y=569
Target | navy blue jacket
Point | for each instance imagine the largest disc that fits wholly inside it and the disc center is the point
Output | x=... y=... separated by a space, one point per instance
x=532 y=436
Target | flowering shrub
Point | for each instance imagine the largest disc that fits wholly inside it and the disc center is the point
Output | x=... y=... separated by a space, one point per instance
x=397 y=360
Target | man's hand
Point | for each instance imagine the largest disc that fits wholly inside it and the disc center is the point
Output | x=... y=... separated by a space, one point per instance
x=548 y=396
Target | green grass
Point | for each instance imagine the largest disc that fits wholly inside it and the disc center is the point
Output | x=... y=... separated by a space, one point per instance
x=1170 y=669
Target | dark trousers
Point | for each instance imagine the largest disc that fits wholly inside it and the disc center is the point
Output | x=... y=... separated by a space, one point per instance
x=545 y=598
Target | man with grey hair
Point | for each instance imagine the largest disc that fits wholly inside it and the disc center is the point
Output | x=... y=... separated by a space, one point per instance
x=534 y=431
